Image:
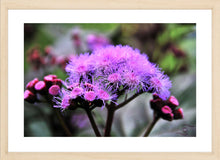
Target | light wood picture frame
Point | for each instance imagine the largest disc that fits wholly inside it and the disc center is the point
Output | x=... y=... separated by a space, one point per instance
x=213 y=5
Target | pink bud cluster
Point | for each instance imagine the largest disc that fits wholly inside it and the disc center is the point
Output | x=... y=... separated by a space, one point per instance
x=45 y=59
x=51 y=85
x=166 y=109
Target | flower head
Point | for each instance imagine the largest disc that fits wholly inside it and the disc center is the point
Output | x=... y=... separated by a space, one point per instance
x=50 y=86
x=166 y=109
x=160 y=84
x=114 y=78
x=65 y=103
x=90 y=96
x=110 y=71
x=76 y=92
x=96 y=41
x=64 y=100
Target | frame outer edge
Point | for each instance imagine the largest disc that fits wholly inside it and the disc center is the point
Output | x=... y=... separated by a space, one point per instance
x=215 y=80
x=4 y=81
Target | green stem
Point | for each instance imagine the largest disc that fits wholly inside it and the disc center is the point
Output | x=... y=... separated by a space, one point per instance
x=127 y=101
x=111 y=110
x=92 y=121
x=63 y=124
x=149 y=129
x=109 y=121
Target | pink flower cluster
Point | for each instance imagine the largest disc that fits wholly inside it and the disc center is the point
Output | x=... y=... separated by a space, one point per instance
x=51 y=85
x=166 y=109
x=46 y=59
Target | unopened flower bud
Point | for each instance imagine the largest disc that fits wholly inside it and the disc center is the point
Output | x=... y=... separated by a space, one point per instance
x=29 y=96
x=173 y=102
x=166 y=109
x=49 y=79
x=40 y=87
x=155 y=96
x=156 y=104
x=178 y=114
x=31 y=84
x=57 y=82
x=48 y=50
x=54 y=90
x=168 y=117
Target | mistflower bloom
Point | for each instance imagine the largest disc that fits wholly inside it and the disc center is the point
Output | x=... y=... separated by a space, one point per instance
x=79 y=68
x=81 y=95
x=166 y=109
x=103 y=95
x=90 y=95
x=97 y=41
x=107 y=73
x=160 y=84
x=118 y=68
x=106 y=95
x=132 y=81
x=89 y=86
x=63 y=103
x=77 y=91
x=64 y=100
x=114 y=77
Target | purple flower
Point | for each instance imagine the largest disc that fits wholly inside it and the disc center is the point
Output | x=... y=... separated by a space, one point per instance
x=114 y=78
x=63 y=101
x=160 y=84
x=90 y=96
x=79 y=68
x=76 y=92
x=115 y=67
x=97 y=41
x=103 y=95
x=108 y=72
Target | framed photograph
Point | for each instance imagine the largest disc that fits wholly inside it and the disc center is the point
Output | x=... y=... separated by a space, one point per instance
x=91 y=82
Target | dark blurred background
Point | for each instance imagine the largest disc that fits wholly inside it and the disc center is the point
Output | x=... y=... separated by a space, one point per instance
x=172 y=46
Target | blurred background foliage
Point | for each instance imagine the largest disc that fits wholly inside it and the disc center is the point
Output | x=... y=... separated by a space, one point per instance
x=47 y=48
